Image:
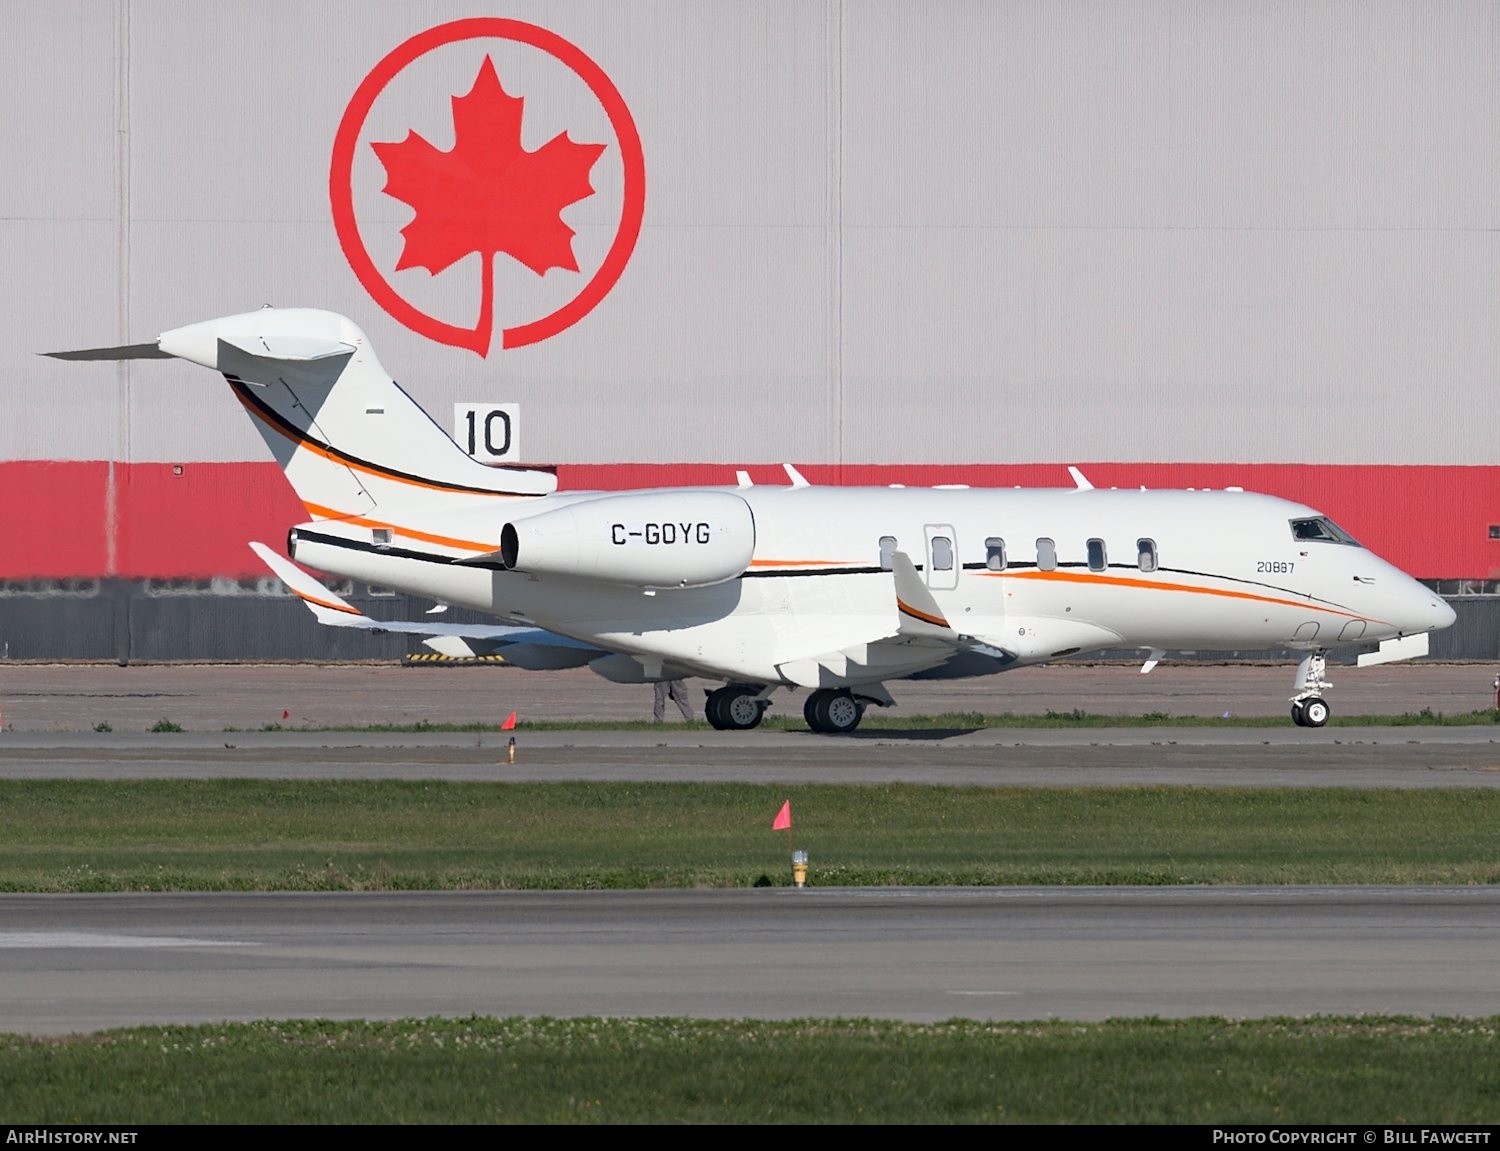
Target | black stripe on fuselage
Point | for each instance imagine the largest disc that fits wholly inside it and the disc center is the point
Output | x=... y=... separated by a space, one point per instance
x=395 y=552
x=779 y=573
x=495 y=565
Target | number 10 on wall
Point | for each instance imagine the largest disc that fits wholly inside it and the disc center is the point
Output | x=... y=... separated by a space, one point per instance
x=488 y=432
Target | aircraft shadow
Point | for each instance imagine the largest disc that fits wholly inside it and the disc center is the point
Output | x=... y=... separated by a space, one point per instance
x=923 y=734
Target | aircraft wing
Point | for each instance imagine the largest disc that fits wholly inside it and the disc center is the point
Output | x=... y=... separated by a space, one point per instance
x=532 y=648
x=919 y=642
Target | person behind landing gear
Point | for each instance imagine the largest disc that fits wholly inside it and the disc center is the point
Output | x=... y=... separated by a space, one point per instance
x=677 y=690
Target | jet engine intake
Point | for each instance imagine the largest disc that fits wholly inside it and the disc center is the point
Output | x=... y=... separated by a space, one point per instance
x=660 y=539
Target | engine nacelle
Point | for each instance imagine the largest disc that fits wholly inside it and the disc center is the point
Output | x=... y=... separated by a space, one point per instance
x=648 y=539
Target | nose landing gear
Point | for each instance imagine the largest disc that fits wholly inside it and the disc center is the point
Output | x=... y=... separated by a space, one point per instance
x=1309 y=709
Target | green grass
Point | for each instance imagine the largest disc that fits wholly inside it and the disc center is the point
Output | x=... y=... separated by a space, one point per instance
x=618 y=1071
x=77 y=835
x=155 y=835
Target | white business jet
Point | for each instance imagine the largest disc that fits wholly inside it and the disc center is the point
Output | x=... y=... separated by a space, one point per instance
x=838 y=590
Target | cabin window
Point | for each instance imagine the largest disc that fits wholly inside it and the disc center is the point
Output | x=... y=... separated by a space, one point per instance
x=1145 y=555
x=887 y=553
x=994 y=554
x=382 y=537
x=1096 y=556
x=1321 y=529
x=942 y=554
x=1046 y=554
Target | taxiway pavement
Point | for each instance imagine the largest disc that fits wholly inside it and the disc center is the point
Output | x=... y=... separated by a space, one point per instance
x=83 y=962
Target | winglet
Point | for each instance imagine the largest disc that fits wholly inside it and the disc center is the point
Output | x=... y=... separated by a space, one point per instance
x=795 y=476
x=1078 y=478
x=918 y=611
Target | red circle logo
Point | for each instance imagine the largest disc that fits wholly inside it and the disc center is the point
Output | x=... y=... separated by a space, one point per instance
x=488 y=195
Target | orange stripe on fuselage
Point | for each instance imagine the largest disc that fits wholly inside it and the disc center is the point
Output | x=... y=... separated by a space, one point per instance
x=318 y=510
x=799 y=563
x=1156 y=585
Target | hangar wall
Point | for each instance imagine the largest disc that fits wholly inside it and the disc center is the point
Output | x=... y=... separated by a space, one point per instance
x=1172 y=243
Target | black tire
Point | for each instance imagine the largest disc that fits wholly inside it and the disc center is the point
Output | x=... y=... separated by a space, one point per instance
x=1297 y=717
x=835 y=712
x=810 y=710
x=741 y=710
x=715 y=709
x=1314 y=712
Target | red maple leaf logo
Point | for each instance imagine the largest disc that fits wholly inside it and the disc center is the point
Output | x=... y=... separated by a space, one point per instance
x=488 y=195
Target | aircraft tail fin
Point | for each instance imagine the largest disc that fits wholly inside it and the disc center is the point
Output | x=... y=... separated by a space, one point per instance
x=347 y=436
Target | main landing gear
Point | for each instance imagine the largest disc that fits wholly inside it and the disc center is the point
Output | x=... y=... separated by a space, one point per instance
x=736 y=707
x=1309 y=709
x=828 y=711
x=833 y=711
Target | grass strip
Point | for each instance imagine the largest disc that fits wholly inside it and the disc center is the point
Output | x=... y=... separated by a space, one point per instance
x=1346 y=1071
x=339 y=835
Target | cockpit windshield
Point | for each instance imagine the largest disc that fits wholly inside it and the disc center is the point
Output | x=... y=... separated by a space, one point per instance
x=1322 y=530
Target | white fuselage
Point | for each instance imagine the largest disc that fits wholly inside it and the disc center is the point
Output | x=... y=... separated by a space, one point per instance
x=1171 y=570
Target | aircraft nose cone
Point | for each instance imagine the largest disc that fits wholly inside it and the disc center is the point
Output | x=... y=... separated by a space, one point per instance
x=1442 y=614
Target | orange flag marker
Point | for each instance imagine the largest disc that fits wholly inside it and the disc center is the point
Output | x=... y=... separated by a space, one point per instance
x=783 y=822
x=510 y=723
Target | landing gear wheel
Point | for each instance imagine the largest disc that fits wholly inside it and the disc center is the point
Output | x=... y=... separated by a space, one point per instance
x=742 y=709
x=810 y=710
x=1308 y=706
x=713 y=710
x=734 y=708
x=831 y=712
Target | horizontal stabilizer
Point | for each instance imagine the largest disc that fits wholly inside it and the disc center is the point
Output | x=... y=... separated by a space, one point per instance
x=1391 y=650
x=123 y=352
x=289 y=346
x=329 y=608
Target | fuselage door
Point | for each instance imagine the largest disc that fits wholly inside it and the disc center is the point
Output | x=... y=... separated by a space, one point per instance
x=942 y=556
